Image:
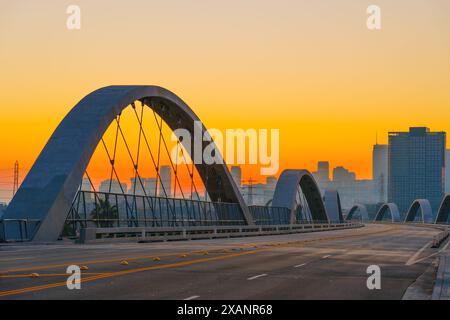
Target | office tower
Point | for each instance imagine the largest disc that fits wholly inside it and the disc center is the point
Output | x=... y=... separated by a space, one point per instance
x=165 y=183
x=113 y=186
x=380 y=169
x=236 y=173
x=416 y=167
x=447 y=170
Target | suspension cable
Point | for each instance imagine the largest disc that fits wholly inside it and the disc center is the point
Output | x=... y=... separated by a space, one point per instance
x=114 y=154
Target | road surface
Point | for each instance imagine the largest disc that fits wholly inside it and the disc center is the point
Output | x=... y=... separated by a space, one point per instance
x=320 y=265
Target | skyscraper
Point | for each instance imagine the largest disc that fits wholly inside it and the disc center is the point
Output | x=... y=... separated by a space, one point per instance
x=416 y=167
x=380 y=169
x=447 y=170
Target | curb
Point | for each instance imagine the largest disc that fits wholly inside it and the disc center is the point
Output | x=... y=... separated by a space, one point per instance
x=441 y=290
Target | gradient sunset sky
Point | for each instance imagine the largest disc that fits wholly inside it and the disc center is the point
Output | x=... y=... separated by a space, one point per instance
x=310 y=68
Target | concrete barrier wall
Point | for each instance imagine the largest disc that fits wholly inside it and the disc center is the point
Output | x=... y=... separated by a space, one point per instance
x=149 y=234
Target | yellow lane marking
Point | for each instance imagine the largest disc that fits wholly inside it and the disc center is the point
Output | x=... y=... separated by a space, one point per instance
x=46 y=275
x=97 y=261
x=125 y=272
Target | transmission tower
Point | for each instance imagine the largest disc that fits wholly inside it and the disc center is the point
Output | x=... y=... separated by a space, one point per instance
x=16 y=177
x=249 y=187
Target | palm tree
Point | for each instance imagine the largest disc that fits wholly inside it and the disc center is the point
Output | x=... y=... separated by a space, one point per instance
x=104 y=213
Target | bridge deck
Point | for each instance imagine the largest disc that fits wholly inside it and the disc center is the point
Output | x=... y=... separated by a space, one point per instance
x=296 y=266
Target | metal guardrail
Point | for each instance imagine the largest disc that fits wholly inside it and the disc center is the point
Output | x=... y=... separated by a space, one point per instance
x=149 y=234
x=439 y=238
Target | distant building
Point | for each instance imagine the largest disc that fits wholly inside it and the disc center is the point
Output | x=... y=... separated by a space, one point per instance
x=113 y=186
x=323 y=171
x=86 y=185
x=351 y=191
x=253 y=193
x=165 y=187
x=143 y=186
x=416 y=167
x=380 y=169
x=340 y=174
x=236 y=173
x=271 y=183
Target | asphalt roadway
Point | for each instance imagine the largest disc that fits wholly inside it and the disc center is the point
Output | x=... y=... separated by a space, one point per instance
x=319 y=265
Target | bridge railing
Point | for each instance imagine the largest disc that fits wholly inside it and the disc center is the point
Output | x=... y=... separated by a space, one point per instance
x=265 y=215
x=103 y=210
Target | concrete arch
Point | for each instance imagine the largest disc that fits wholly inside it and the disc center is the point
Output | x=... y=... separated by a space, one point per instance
x=51 y=185
x=332 y=203
x=363 y=213
x=393 y=211
x=286 y=192
x=444 y=210
x=426 y=212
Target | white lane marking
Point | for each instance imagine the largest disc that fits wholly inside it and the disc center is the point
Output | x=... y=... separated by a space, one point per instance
x=327 y=256
x=433 y=254
x=258 y=276
x=300 y=265
x=192 y=297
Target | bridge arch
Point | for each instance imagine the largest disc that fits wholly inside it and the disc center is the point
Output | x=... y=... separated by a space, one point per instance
x=444 y=210
x=51 y=184
x=286 y=192
x=361 y=209
x=392 y=209
x=332 y=204
x=426 y=212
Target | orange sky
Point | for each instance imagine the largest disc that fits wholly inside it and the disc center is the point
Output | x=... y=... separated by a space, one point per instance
x=310 y=68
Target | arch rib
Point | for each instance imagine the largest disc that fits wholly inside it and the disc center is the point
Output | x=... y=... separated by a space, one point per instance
x=286 y=192
x=332 y=204
x=393 y=210
x=51 y=185
x=444 y=210
x=426 y=212
x=363 y=213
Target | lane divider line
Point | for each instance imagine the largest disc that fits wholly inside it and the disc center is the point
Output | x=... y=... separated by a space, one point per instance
x=258 y=276
x=300 y=265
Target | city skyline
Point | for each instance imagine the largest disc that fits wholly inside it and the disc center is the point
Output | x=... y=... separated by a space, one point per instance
x=322 y=82
x=246 y=175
